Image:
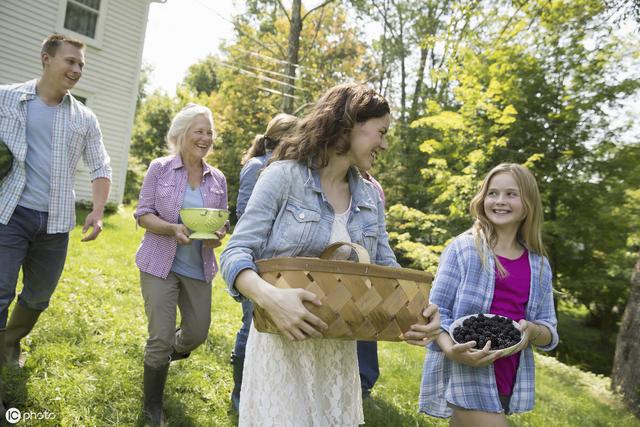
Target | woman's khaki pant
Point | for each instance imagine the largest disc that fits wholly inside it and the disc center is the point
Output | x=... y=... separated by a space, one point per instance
x=161 y=297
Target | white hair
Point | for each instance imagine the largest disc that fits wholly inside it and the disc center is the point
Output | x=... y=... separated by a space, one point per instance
x=182 y=122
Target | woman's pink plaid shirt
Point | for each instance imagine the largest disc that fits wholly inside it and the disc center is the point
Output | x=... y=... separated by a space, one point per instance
x=162 y=194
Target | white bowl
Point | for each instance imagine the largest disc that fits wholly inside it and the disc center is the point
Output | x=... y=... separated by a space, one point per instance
x=506 y=351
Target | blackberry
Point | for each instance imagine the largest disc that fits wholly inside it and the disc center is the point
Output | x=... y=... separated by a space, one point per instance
x=481 y=329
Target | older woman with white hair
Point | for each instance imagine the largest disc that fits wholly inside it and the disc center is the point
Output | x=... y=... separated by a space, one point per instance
x=176 y=271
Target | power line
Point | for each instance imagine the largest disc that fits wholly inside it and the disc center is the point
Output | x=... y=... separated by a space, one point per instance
x=277 y=92
x=260 y=77
x=268 y=58
x=275 y=73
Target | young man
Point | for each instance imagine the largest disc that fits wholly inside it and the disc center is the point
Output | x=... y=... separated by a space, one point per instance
x=47 y=130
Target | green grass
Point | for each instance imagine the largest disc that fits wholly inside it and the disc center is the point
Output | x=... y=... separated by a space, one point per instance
x=84 y=359
x=581 y=345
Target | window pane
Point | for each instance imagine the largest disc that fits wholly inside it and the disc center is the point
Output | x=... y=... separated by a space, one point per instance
x=80 y=20
x=94 y=4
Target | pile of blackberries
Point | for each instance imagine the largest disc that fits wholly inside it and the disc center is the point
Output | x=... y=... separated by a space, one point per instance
x=497 y=329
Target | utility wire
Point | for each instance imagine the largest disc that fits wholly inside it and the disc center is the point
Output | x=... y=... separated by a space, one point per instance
x=268 y=58
x=260 y=77
x=264 y=70
x=277 y=92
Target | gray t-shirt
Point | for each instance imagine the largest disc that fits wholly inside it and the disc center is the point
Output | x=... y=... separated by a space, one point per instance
x=40 y=118
x=188 y=260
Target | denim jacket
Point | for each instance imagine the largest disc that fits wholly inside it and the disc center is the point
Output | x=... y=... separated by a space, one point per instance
x=289 y=215
x=248 y=178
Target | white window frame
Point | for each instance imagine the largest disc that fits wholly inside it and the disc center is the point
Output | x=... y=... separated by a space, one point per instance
x=95 y=41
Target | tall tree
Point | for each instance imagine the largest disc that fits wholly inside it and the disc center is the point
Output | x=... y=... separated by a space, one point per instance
x=417 y=45
x=536 y=85
x=251 y=70
x=625 y=377
x=267 y=12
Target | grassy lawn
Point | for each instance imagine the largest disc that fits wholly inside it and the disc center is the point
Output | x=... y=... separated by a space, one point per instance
x=581 y=345
x=84 y=360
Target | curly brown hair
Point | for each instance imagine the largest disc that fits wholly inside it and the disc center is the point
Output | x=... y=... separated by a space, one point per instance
x=329 y=124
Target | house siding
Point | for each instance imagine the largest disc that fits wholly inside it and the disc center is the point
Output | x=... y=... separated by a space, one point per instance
x=110 y=77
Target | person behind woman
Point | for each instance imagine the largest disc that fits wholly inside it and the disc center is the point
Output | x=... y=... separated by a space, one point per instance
x=253 y=161
x=368 y=350
x=496 y=267
x=310 y=196
x=174 y=270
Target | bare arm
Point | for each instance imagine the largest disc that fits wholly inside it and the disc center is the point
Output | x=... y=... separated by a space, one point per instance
x=284 y=305
x=540 y=335
x=534 y=333
x=157 y=225
x=100 y=193
x=423 y=334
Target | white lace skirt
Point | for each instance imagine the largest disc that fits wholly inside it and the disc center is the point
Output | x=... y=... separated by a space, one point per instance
x=302 y=383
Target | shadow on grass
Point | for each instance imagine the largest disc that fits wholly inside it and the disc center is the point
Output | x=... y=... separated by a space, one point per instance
x=583 y=346
x=15 y=387
x=83 y=211
x=188 y=385
x=379 y=413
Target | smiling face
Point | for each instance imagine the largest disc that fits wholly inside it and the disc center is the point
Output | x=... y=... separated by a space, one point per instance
x=502 y=203
x=198 y=138
x=367 y=140
x=64 y=69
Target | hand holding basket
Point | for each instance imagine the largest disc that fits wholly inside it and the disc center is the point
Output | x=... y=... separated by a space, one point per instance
x=359 y=300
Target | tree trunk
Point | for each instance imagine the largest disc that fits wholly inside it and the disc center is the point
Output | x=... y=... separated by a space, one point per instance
x=413 y=113
x=625 y=377
x=292 y=56
x=403 y=76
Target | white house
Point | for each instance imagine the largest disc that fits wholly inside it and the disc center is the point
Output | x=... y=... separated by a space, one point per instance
x=113 y=31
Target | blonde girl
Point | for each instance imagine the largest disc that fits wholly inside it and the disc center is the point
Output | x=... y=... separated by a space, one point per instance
x=499 y=267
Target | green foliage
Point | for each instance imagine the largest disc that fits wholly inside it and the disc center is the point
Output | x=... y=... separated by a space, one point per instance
x=143 y=83
x=150 y=127
x=418 y=238
x=581 y=345
x=148 y=140
x=202 y=77
x=251 y=66
x=242 y=87
x=536 y=85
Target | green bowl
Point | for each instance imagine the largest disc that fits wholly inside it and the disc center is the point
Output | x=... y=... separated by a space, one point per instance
x=204 y=222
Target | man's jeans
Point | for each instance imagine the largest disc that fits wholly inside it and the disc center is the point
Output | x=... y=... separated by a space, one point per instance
x=24 y=242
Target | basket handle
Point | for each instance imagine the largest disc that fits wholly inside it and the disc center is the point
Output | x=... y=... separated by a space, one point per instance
x=362 y=254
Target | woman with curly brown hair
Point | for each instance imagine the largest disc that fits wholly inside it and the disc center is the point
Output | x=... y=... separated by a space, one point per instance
x=310 y=196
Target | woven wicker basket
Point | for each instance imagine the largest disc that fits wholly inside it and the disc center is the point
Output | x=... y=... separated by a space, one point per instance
x=359 y=300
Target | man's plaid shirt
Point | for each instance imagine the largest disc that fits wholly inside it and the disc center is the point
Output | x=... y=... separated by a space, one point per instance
x=76 y=134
